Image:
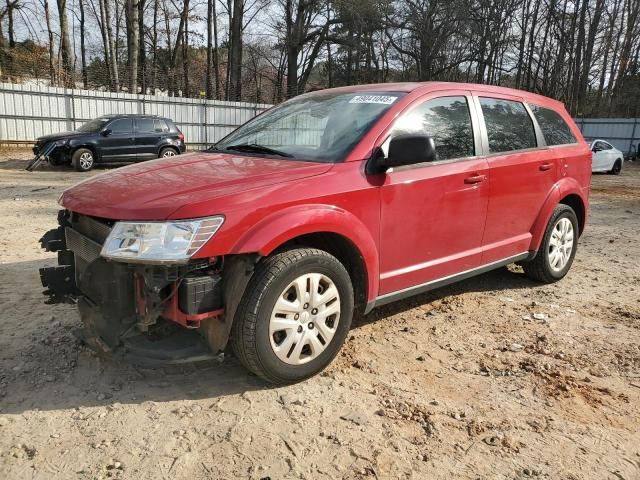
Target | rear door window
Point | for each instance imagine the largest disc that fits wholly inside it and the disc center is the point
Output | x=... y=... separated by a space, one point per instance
x=122 y=126
x=509 y=126
x=145 y=125
x=554 y=128
x=447 y=121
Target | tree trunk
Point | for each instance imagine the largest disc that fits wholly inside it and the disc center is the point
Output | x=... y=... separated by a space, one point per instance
x=210 y=20
x=47 y=16
x=65 y=45
x=185 y=50
x=235 y=51
x=113 y=57
x=133 y=43
x=83 y=49
x=11 y=29
x=142 y=53
x=216 y=57
x=154 y=49
x=213 y=71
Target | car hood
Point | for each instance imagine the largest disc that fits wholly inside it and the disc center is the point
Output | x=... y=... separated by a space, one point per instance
x=59 y=136
x=155 y=189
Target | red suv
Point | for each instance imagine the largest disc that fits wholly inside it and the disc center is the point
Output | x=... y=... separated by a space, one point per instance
x=334 y=201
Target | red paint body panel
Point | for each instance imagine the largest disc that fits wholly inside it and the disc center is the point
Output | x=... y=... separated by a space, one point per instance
x=411 y=225
x=431 y=222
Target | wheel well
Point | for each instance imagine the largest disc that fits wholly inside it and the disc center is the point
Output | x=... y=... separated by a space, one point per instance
x=575 y=202
x=346 y=252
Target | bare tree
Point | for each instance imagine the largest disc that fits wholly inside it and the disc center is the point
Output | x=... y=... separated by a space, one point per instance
x=213 y=69
x=83 y=48
x=133 y=43
x=65 y=45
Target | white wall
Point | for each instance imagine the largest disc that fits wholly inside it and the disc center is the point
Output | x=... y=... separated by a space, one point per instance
x=29 y=111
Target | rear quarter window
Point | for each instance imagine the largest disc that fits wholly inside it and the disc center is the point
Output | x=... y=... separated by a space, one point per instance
x=172 y=126
x=161 y=125
x=554 y=129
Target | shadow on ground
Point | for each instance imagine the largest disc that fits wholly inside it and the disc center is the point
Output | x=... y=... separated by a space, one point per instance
x=44 y=367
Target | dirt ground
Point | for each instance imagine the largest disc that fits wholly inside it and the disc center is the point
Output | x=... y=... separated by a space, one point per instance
x=492 y=378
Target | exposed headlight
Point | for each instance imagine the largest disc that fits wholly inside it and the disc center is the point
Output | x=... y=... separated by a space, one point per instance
x=159 y=242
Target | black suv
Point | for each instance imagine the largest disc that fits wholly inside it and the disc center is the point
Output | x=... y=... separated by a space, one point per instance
x=113 y=139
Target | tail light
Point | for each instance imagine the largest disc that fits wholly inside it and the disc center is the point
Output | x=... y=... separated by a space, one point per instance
x=181 y=136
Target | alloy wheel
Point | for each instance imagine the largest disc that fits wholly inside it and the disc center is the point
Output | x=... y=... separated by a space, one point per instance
x=169 y=153
x=561 y=244
x=304 y=318
x=86 y=160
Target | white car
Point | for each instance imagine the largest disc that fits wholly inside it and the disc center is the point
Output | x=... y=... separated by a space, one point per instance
x=606 y=158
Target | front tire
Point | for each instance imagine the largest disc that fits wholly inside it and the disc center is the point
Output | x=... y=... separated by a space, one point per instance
x=558 y=248
x=83 y=160
x=617 y=167
x=294 y=316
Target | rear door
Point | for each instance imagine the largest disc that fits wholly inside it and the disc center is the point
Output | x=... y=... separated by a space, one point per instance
x=118 y=145
x=148 y=138
x=433 y=214
x=522 y=173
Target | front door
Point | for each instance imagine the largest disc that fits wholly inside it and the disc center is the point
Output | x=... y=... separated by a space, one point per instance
x=602 y=156
x=118 y=144
x=433 y=214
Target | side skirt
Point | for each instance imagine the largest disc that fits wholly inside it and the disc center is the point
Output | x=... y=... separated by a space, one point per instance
x=441 y=282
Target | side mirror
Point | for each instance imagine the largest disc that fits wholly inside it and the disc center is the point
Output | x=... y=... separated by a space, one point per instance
x=410 y=149
x=106 y=132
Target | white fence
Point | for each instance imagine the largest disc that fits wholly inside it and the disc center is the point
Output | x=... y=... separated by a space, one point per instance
x=622 y=133
x=27 y=112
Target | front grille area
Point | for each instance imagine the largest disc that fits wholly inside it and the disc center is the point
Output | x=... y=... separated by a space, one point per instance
x=93 y=228
x=82 y=246
x=84 y=236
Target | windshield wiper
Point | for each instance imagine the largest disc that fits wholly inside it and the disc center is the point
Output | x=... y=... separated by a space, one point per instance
x=254 y=147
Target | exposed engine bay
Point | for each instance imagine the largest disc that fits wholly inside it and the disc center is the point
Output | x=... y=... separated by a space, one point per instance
x=150 y=312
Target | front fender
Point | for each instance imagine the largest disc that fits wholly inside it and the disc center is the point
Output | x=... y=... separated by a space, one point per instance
x=282 y=226
x=564 y=187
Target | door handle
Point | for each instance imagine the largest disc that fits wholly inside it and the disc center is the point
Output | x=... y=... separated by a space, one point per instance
x=475 y=179
x=545 y=166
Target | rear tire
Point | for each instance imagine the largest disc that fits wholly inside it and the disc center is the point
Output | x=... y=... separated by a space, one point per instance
x=617 y=168
x=167 y=152
x=558 y=249
x=283 y=331
x=83 y=160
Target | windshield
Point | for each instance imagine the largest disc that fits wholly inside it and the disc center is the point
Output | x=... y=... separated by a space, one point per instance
x=318 y=127
x=93 y=125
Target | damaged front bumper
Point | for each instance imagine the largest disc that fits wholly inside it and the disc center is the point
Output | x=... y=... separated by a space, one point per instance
x=149 y=313
x=53 y=152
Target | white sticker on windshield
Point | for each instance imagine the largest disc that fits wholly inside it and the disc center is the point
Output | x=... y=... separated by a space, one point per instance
x=381 y=99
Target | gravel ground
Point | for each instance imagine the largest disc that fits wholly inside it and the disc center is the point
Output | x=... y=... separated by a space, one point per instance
x=492 y=378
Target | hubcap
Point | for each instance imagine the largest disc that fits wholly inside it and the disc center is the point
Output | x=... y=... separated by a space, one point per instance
x=169 y=153
x=304 y=319
x=560 y=244
x=86 y=160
